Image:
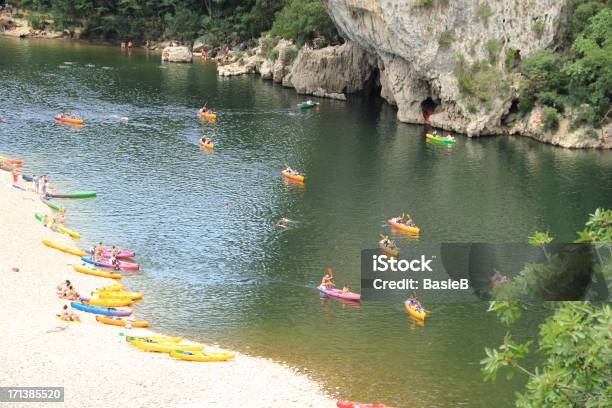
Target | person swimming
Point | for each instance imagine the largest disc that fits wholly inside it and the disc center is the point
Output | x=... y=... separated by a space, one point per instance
x=283 y=223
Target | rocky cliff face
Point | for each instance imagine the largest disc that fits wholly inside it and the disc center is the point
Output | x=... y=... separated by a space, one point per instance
x=453 y=57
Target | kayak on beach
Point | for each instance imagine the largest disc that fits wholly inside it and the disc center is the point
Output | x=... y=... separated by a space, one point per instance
x=59 y=227
x=107 y=311
x=118 y=321
x=440 y=139
x=96 y=272
x=76 y=194
x=155 y=339
x=106 y=253
x=110 y=288
x=108 y=294
x=63 y=248
x=16 y=162
x=151 y=345
x=108 y=302
x=106 y=264
x=351 y=404
x=183 y=354
x=337 y=293
x=51 y=204
x=67 y=119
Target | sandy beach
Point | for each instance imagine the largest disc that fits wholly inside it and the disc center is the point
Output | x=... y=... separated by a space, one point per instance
x=93 y=361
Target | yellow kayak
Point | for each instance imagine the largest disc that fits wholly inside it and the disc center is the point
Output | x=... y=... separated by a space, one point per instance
x=183 y=354
x=154 y=339
x=403 y=227
x=208 y=116
x=210 y=145
x=389 y=250
x=111 y=288
x=68 y=231
x=109 y=302
x=96 y=272
x=119 y=321
x=63 y=248
x=118 y=294
x=165 y=347
x=412 y=311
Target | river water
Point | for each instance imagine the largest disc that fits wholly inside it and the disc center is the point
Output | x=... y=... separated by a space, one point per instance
x=215 y=268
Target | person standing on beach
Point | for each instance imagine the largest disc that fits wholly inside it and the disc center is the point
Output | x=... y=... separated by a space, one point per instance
x=15 y=173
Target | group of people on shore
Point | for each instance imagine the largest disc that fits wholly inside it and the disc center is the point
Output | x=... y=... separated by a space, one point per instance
x=65 y=290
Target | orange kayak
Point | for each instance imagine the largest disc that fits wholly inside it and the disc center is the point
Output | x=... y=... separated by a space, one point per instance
x=293 y=177
x=16 y=162
x=403 y=227
x=66 y=119
x=208 y=116
x=118 y=321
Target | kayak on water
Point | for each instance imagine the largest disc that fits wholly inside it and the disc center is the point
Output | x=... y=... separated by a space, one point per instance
x=208 y=116
x=63 y=248
x=210 y=145
x=106 y=264
x=108 y=302
x=76 y=194
x=388 y=249
x=307 y=105
x=337 y=293
x=395 y=223
x=118 y=321
x=106 y=253
x=440 y=139
x=96 y=272
x=109 y=294
x=106 y=311
x=351 y=404
x=59 y=227
x=16 y=162
x=165 y=347
x=201 y=356
x=418 y=313
x=63 y=118
x=51 y=204
x=294 y=177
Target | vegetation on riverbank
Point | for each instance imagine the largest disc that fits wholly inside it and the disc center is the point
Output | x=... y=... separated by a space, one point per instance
x=214 y=22
x=574 y=342
x=579 y=76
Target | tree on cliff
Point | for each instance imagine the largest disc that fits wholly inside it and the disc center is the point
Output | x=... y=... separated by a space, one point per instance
x=575 y=342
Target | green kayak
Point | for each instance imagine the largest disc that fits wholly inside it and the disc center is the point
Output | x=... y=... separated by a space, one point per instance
x=438 y=139
x=76 y=194
x=51 y=204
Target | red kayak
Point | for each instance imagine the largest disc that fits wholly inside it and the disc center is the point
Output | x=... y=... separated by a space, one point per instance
x=337 y=293
x=350 y=404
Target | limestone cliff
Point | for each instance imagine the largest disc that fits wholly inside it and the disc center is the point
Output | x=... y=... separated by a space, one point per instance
x=424 y=47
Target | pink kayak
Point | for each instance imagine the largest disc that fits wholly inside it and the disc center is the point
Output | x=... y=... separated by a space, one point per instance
x=106 y=264
x=339 y=294
x=351 y=404
x=123 y=253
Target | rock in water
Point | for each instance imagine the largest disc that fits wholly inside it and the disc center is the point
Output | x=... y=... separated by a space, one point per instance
x=177 y=54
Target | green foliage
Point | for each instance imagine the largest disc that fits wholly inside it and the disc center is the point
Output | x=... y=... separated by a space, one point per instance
x=446 y=39
x=492 y=47
x=483 y=13
x=509 y=60
x=573 y=344
x=477 y=80
x=290 y=55
x=302 y=21
x=550 y=119
x=272 y=54
x=581 y=76
x=37 y=21
x=538 y=27
x=424 y=3
x=472 y=109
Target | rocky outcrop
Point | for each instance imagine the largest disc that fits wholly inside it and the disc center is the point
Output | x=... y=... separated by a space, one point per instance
x=332 y=71
x=423 y=48
x=177 y=54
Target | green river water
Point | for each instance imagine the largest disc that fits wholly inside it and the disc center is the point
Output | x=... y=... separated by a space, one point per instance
x=227 y=275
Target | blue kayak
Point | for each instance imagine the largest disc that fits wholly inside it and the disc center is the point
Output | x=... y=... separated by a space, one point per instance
x=107 y=311
x=27 y=178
